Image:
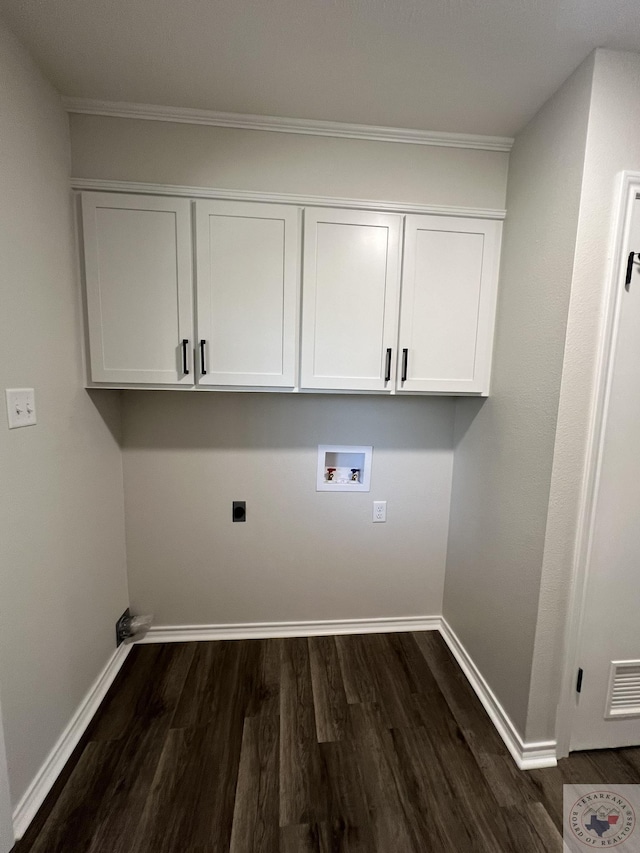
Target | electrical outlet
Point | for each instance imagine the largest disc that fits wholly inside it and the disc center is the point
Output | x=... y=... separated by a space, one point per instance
x=21 y=407
x=239 y=511
x=379 y=511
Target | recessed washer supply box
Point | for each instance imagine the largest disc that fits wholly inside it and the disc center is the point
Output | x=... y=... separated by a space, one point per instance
x=344 y=468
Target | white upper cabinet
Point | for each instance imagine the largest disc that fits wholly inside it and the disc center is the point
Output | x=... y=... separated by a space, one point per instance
x=449 y=284
x=247 y=275
x=350 y=299
x=139 y=288
x=258 y=272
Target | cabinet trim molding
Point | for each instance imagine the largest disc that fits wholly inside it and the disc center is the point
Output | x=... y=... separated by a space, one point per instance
x=137 y=187
x=279 y=124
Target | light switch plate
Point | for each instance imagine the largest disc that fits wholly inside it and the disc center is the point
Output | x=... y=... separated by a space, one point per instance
x=21 y=407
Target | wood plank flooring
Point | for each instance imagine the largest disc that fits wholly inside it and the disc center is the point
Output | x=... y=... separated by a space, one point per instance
x=362 y=744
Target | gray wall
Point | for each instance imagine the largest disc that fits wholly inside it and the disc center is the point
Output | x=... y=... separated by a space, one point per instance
x=504 y=447
x=302 y=555
x=613 y=145
x=194 y=155
x=62 y=561
x=6 y=825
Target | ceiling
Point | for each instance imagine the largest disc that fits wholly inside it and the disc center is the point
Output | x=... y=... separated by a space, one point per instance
x=474 y=66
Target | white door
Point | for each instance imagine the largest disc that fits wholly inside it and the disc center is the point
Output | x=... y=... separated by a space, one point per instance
x=449 y=285
x=350 y=289
x=247 y=293
x=608 y=712
x=6 y=825
x=139 y=287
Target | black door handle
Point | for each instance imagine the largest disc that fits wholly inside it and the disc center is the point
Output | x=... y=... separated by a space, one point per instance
x=627 y=281
x=405 y=364
x=185 y=357
x=203 y=369
x=387 y=373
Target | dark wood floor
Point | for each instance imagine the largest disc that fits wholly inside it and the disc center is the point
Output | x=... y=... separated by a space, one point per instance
x=361 y=743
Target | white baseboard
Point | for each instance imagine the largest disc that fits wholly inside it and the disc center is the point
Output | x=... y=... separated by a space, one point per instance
x=35 y=794
x=527 y=755
x=261 y=630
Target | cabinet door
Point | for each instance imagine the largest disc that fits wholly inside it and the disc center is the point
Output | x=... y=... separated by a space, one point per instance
x=349 y=299
x=139 y=286
x=448 y=304
x=247 y=293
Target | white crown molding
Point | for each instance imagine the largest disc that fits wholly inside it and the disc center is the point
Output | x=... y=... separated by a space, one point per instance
x=263 y=630
x=528 y=755
x=277 y=124
x=35 y=794
x=138 y=187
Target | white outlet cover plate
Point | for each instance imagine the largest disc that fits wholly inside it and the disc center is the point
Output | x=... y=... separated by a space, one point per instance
x=21 y=407
x=379 y=511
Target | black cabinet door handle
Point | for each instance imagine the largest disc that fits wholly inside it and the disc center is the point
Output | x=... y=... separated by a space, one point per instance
x=185 y=357
x=387 y=372
x=405 y=363
x=203 y=369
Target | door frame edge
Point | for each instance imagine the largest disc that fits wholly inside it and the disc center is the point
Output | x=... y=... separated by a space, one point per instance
x=627 y=183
